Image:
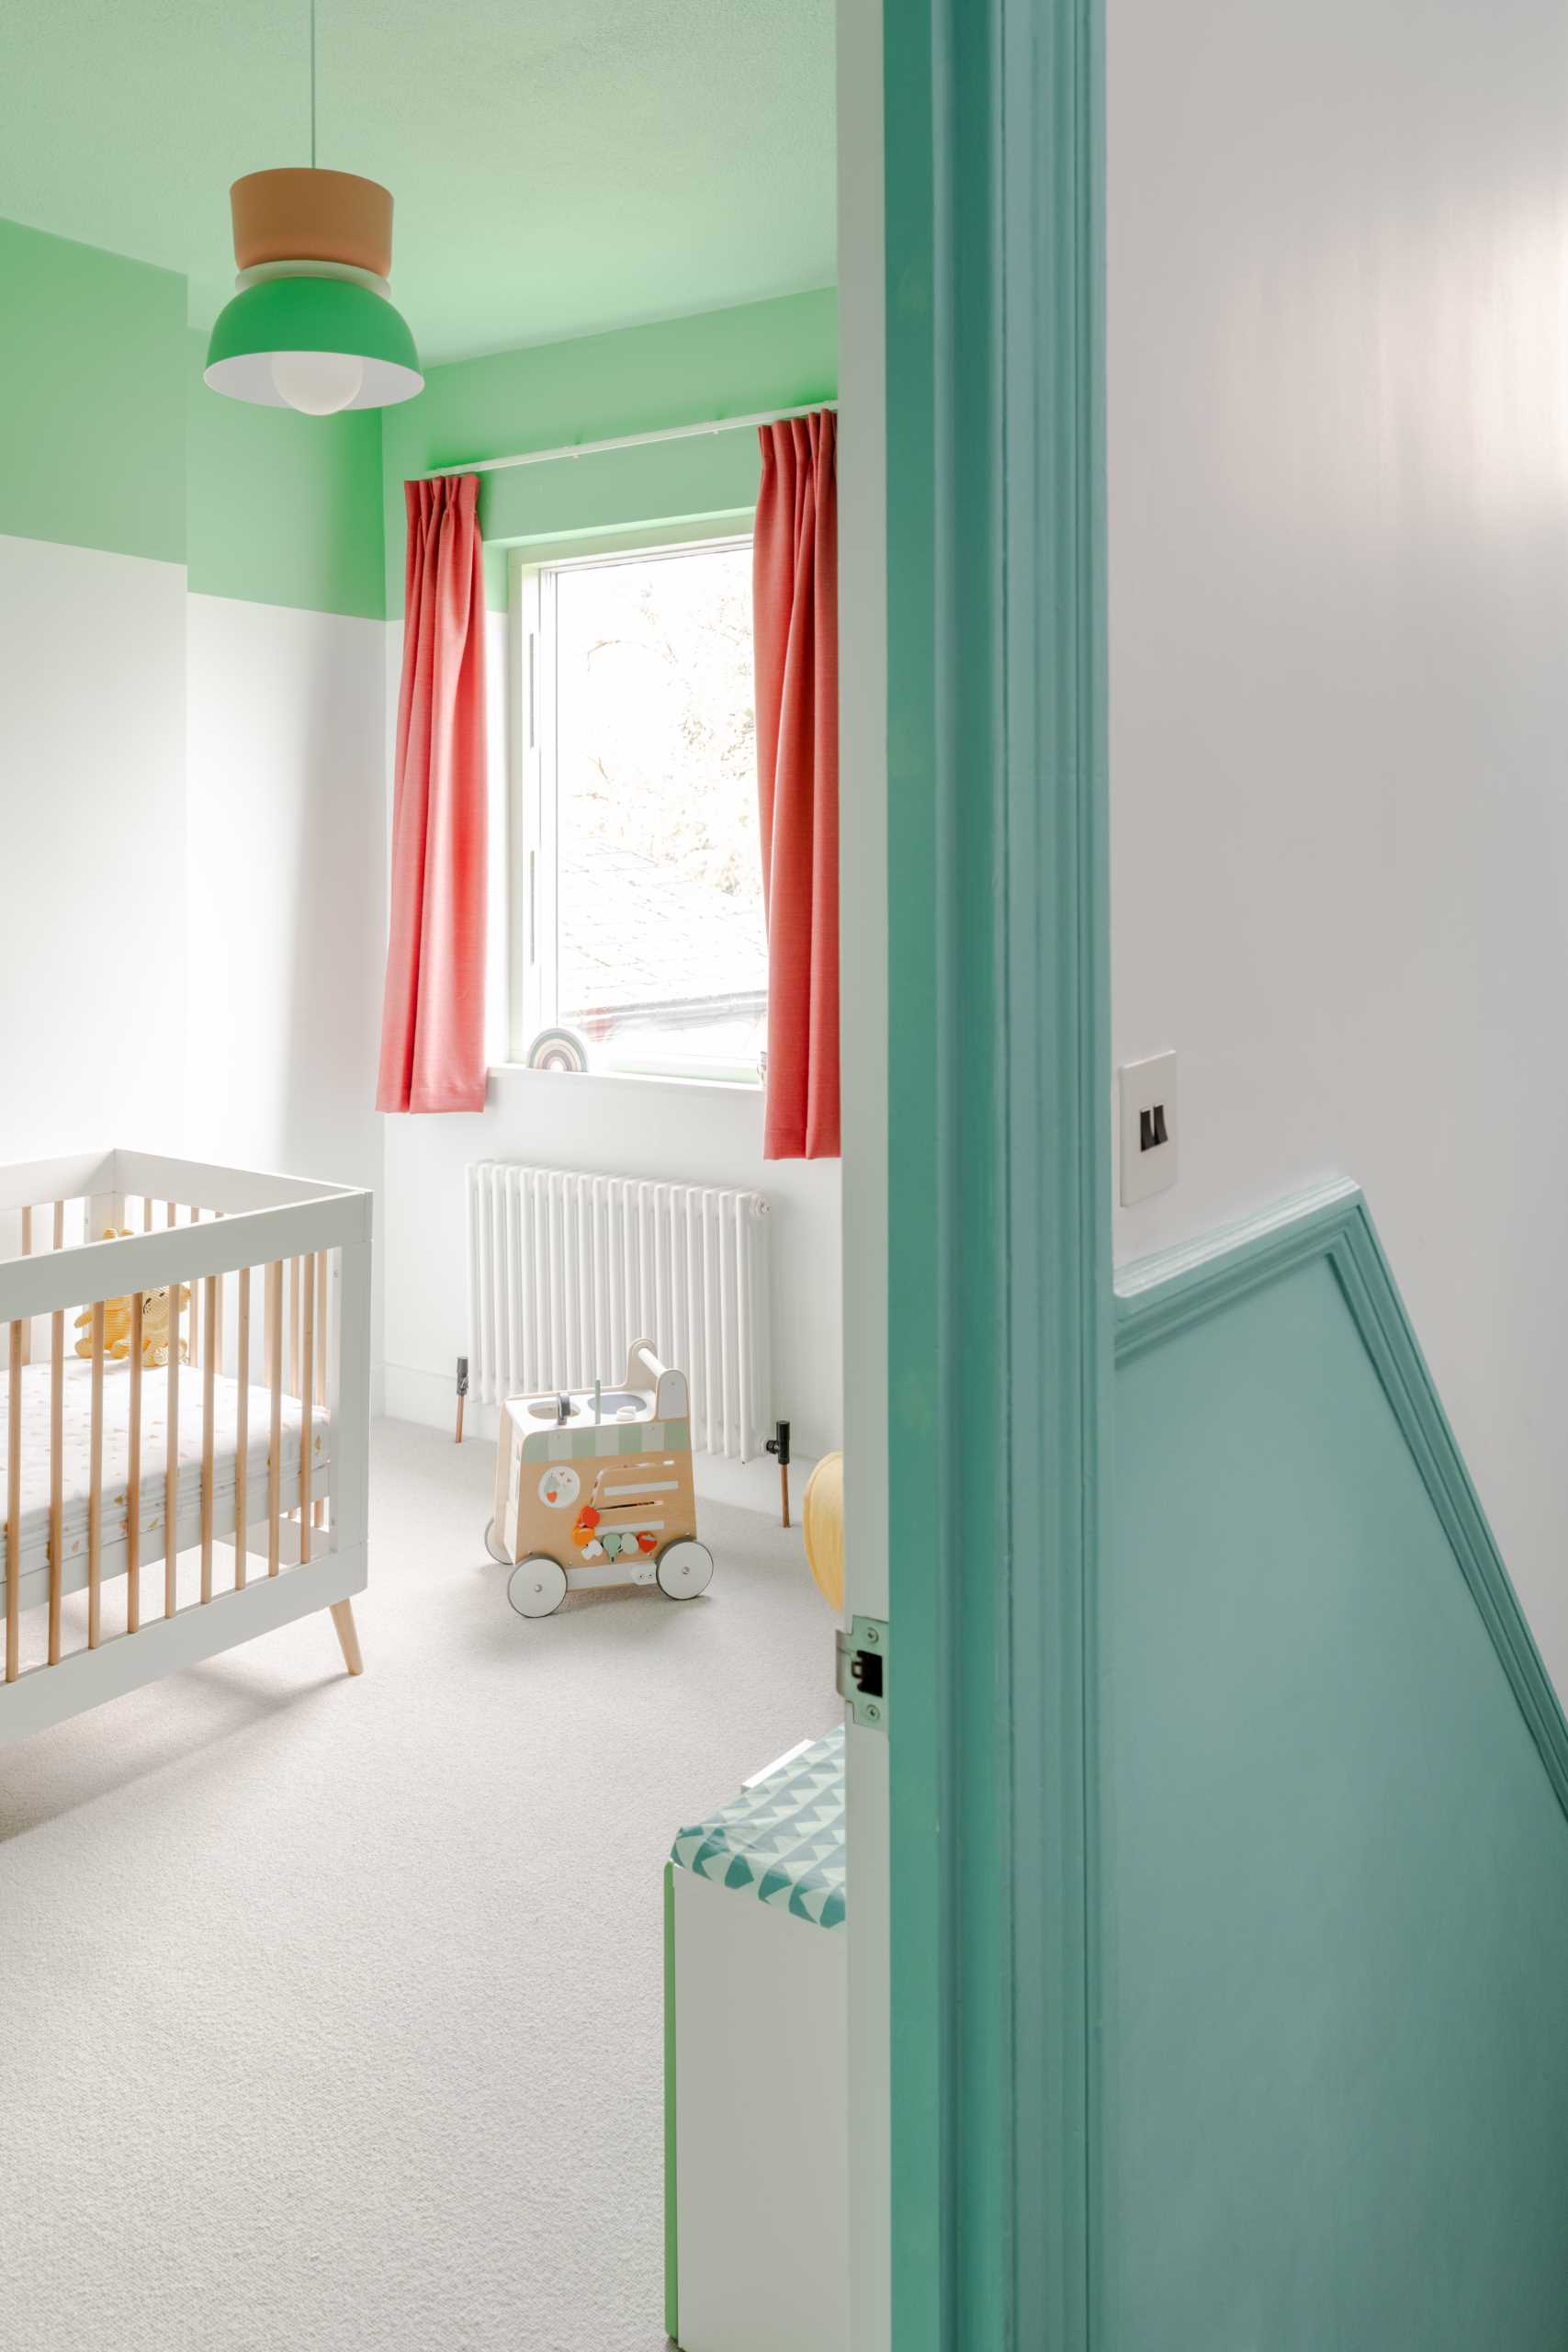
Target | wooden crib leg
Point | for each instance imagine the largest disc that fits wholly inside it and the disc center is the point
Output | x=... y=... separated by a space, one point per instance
x=347 y=1633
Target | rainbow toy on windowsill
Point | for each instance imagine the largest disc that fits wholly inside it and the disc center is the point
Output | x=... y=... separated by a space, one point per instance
x=593 y=1486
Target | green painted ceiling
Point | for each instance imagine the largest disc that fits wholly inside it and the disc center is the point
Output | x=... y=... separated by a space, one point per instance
x=558 y=165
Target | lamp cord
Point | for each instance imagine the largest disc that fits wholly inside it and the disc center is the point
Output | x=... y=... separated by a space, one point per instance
x=312 y=84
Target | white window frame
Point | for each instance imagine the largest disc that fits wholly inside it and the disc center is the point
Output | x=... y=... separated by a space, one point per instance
x=532 y=829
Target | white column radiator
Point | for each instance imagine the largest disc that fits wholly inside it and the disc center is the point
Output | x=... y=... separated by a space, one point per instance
x=565 y=1271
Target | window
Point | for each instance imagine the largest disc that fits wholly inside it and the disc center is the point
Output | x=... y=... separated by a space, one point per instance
x=638 y=887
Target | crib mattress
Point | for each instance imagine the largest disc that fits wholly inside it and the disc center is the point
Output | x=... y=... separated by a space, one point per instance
x=782 y=1840
x=76 y=1462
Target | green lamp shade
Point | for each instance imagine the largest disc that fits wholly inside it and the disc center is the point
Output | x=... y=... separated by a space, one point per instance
x=293 y=318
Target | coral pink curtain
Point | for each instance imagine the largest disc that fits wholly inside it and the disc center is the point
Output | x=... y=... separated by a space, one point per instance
x=795 y=596
x=432 y=1056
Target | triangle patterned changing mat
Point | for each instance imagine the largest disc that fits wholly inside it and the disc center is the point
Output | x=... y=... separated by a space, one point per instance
x=781 y=1840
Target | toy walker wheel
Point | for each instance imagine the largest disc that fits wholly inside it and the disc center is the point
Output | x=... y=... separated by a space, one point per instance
x=536 y=1587
x=495 y=1547
x=685 y=1568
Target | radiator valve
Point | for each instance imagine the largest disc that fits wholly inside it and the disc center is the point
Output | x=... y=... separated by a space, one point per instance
x=779 y=1444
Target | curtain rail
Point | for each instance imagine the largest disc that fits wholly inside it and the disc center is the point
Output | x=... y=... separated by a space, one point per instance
x=624 y=441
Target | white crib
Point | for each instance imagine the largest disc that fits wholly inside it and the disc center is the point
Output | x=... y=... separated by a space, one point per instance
x=225 y=1493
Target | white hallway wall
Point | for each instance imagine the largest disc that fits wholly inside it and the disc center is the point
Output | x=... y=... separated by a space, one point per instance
x=612 y=1125
x=92 y=977
x=1339 y=484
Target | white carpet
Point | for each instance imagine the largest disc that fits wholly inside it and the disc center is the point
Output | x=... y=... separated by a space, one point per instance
x=331 y=2010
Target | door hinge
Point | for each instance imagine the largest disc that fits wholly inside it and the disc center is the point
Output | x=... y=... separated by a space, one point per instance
x=862 y=1673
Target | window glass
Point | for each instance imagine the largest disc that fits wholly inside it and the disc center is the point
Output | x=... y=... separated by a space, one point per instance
x=660 y=955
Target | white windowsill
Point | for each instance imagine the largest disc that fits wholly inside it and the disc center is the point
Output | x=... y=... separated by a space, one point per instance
x=511 y=1072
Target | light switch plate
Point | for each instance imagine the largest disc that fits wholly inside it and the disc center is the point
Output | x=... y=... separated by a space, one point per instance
x=1149 y=1127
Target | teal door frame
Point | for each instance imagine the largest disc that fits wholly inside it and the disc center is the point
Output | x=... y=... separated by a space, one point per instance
x=999 y=1152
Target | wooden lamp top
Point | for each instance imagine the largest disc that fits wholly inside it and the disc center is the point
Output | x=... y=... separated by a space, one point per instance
x=299 y=214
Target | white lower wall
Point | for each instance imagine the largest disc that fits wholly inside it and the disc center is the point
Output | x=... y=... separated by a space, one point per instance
x=286 y=865
x=92 y=885
x=1339 y=507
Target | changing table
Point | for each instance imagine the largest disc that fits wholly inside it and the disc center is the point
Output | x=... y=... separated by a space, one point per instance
x=756 y=2045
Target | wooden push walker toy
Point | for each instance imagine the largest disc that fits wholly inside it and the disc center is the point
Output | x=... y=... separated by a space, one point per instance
x=593 y=1486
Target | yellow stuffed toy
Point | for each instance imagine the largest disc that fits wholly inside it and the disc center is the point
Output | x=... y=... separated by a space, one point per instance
x=117 y=1321
x=155 y=1324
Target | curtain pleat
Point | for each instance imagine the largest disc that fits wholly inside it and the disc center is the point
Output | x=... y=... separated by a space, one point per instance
x=433 y=1055
x=796 y=598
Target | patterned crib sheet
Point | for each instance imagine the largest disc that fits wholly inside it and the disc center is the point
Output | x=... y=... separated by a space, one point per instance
x=782 y=1840
x=76 y=1453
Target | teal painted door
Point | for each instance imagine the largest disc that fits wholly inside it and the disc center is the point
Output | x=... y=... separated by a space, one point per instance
x=998 y=1254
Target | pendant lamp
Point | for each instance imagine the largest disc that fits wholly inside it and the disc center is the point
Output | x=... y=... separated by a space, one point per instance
x=311 y=325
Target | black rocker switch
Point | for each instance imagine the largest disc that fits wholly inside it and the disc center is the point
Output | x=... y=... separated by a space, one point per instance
x=1151 y=1127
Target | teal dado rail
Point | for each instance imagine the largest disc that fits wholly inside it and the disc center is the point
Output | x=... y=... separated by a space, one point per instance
x=1333 y=1892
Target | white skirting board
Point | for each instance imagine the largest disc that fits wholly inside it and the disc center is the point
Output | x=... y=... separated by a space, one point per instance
x=409 y=1394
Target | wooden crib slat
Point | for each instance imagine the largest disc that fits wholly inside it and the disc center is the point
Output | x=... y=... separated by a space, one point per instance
x=242 y=1421
x=27 y=1252
x=172 y=1451
x=323 y=1325
x=307 y=1399
x=147 y=1213
x=208 y=1378
x=275 y=1445
x=14 y=1510
x=56 y=1461
x=294 y=1389
x=133 y=1473
x=214 y=1334
x=192 y=1349
x=95 y=1481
